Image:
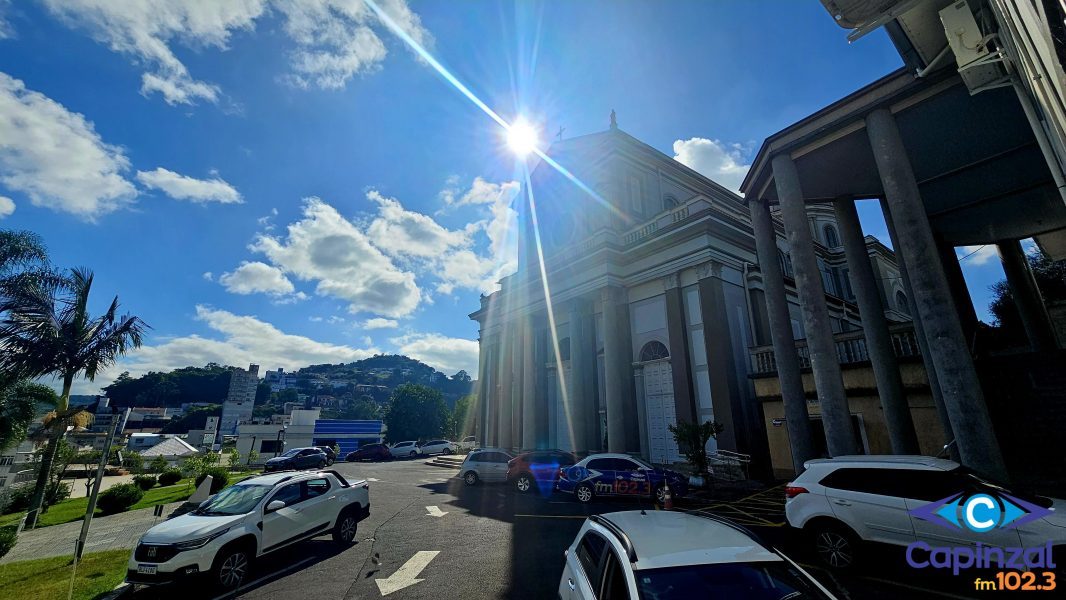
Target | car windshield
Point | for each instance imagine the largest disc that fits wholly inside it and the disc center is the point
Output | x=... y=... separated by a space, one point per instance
x=751 y=581
x=291 y=453
x=234 y=500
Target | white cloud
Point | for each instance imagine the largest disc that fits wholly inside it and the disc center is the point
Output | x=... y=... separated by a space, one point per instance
x=468 y=269
x=400 y=232
x=975 y=256
x=335 y=39
x=722 y=163
x=208 y=276
x=445 y=354
x=256 y=277
x=240 y=340
x=56 y=157
x=183 y=187
x=331 y=250
x=6 y=30
x=7 y=206
x=379 y=323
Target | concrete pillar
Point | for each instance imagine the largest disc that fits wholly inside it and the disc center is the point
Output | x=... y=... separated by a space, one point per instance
x=923 y=343
x=684 y=398
x=726 y=396
x=1027 y=298
x=506 y=377
x=894 y=403
x=963 y=397
x=482 y=390
x=617 y=380
x=825 y=365
x=797 y=419
x=544 y=354
x=582 y=369
x=529 y=383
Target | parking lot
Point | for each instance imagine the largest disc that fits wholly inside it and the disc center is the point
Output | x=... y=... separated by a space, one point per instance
x=431 y=536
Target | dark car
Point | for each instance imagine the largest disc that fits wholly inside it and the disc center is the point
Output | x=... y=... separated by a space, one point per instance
x=331 y=454
x=297 y=458
x=538 y=469
x=370 y=452
x=619 y=475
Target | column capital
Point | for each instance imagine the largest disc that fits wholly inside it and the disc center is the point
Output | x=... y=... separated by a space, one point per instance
x=613 y=294
x=671 y=281
x=709 y=269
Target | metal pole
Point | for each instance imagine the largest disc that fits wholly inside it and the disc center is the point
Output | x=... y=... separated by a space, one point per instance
x=89 y=510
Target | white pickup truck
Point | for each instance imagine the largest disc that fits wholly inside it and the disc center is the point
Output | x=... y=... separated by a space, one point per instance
x=225 y=534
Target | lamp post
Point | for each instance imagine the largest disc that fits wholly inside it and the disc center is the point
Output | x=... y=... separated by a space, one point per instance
x=280 y=441
x=250 y=450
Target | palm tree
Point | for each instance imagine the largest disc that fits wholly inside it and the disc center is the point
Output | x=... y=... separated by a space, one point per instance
x=46 y=330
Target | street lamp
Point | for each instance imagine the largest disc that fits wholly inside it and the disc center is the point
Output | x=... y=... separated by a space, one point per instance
x=280 y=441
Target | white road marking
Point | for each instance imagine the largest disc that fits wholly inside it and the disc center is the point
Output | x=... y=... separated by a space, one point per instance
x=372 y=479
x=407 y=574
x=434 y=511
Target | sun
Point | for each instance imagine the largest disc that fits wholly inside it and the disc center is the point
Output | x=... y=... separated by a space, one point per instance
x=521 y=138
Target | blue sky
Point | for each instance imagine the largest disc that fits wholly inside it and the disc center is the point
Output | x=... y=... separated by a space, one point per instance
x=287 y=183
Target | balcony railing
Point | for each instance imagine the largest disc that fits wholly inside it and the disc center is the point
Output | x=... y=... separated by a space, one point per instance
x=850 y=346
x=665 y=219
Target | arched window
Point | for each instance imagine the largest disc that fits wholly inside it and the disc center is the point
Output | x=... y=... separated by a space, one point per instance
x=670 y=203
x=653 y=351
x=831 y=239
x=901 y=302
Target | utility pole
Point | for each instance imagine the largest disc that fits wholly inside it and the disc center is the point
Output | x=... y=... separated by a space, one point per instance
x=89 y=510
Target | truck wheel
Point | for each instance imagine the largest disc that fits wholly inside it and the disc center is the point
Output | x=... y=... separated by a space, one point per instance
x=345 y=529
x=232 y=566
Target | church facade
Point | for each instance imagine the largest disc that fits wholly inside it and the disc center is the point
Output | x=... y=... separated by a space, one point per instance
x=634 y=306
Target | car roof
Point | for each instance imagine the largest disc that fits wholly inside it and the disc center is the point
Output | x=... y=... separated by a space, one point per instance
x=886 y=461
x=663 y=538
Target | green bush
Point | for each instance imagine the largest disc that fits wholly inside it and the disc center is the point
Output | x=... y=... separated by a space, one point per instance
x=54 y=493
x=219 y=478
x=119 y=498
x=145 y=482
x=133 y=462
x=19 y=498
x=158 y=465
x=169 y=476
x=8 y=538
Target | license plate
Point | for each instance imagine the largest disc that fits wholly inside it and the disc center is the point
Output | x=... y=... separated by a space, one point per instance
x=146 y=569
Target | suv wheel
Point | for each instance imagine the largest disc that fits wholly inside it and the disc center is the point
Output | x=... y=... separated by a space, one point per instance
x=232 y=566
x=446 y=451
x=345 y=529
x=835 y=545
x=584 y=493
x=470 y=478
x=523 y=483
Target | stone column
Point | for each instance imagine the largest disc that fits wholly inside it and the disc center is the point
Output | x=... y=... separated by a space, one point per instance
x=617 y=381
x=506 y=376
x=919 y=335
x=963 y=397
x=794 y=399
x=544 y=354
x=894 y=403
x=529 y=384
x=582 y=368
x=482 y=390
x=1026 y=294
x=825 y=365
x=684 y=398
x=726 y=396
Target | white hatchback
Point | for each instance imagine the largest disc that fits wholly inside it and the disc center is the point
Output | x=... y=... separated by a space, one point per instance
x=438 y=447
x=843 y=501
x=407 y=449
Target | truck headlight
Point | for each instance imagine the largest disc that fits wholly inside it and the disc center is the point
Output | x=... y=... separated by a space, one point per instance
x=199 y=542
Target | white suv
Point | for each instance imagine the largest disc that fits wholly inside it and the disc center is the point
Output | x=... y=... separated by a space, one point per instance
x=245 y=521
x=670 y=555
x=438 y=447
x=840 y=502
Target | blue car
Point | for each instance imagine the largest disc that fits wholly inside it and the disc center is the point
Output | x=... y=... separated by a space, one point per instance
x=619 y=475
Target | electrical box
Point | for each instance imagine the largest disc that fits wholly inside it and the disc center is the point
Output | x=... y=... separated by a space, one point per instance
x=964 y=36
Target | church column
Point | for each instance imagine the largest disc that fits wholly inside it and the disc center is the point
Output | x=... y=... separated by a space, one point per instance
x=506 y=377
x=582 y=404
x=963 y=396
x=793 y=397
x=726 y=396
x=894 y=403
x=617 y=379
x=684 y=398
x=836 y=416
x=544 y=354
x=1027 y=298
x=529 y=383
x=482 y=389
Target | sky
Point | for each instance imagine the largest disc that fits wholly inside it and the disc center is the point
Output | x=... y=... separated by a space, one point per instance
x=288 y=182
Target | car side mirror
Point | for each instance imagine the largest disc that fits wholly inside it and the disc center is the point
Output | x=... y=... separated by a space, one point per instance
x=275 y=505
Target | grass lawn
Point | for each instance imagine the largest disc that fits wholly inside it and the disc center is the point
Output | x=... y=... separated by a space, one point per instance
x=49 y=578
x=74 y=508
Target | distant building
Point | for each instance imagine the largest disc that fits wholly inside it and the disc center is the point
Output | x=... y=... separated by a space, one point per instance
x=240 y=400
x=305 y=428
x=15 y=464
x=172 y=449
x=278 y=380
x=139 y=442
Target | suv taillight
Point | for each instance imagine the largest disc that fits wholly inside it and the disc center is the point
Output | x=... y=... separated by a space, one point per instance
x=791 y=491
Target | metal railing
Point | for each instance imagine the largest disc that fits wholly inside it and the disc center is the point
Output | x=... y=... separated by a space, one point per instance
x=850 y=347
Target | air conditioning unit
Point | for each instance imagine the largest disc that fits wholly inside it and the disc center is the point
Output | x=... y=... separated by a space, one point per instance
x=980 y=63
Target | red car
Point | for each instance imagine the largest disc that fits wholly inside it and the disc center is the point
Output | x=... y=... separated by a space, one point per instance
x=370 y=452
x=538 y=469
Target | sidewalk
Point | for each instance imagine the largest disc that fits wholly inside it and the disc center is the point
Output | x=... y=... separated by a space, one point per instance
x=106 y=533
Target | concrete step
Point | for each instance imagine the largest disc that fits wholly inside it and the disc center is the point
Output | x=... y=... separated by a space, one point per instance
x=447 y=462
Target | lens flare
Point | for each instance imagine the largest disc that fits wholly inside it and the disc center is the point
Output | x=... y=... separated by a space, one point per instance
x=521 y=138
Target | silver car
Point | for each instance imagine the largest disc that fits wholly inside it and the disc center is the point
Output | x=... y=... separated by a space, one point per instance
x=486 y=464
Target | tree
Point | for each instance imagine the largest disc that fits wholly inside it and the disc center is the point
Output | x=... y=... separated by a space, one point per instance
x=19 y=402
x=415 y=412
x=193 y=418
x=462 y=417
x=1050 y=278
x=47 y=330
x=262 y=393
x=692 y=440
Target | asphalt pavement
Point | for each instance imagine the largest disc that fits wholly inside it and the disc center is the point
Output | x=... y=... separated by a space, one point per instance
x=431 y=536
